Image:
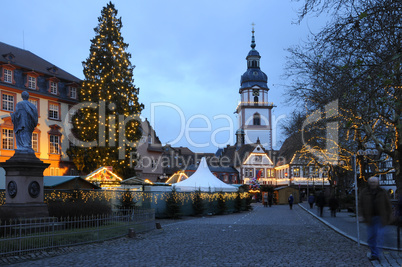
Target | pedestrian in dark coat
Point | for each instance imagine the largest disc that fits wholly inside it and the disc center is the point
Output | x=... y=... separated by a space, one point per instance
x=290 y=201
x=376 y=210
x=270 y=199
x=311 y=200
x=333 y=205
x=265 y=199
x=321 y=202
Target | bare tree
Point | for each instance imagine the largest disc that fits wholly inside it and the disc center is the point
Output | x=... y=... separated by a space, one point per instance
x=355 y=59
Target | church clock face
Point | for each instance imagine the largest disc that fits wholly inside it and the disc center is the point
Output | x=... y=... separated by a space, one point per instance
x=256 y=92
x=12 y=189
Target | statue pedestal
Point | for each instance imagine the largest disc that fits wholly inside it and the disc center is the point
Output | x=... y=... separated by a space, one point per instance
x=24 y=187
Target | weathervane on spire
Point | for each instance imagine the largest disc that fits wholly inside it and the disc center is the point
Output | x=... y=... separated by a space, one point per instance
x=252 y=37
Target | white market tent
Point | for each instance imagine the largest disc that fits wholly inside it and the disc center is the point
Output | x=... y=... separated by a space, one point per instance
x=203 y=180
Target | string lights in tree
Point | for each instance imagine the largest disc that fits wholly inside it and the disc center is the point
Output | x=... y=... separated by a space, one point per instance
x=111 y=125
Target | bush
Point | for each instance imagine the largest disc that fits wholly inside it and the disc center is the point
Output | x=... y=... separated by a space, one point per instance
x=198 y=204
x=126 y=202
x=173 y=205
x=77 y=208
x=249 y=199
x=221 y=204
x=238 y=203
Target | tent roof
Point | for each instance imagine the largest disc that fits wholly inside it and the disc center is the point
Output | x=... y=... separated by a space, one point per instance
x=203 y=180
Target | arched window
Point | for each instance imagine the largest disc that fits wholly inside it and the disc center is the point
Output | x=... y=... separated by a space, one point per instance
x=256 y=119
x=256 y=100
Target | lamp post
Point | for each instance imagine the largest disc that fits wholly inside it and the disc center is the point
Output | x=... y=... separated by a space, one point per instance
x=360 y=152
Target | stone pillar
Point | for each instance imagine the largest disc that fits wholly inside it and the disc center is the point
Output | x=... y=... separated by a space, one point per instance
x=24 y=187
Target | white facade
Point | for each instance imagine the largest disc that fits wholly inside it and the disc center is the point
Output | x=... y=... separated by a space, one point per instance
x=258 y=165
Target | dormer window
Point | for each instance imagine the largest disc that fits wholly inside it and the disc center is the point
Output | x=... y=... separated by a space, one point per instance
x=9 y=57
x=32 y=82
x=73 y=92
x=53 y=86
x=7 y=75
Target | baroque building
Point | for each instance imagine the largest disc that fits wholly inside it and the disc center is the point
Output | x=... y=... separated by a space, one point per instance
x=52 y=90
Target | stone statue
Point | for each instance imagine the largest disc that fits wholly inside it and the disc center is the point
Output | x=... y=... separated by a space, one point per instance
x=25 y=119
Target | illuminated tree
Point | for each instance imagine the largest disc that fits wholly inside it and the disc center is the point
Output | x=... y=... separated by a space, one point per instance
x=106 y=126
x=355 y=59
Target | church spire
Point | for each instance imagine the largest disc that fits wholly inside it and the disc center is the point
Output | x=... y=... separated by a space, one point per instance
x=252 y=37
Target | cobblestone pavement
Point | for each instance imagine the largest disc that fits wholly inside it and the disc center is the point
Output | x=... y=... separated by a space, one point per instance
x=345 y=224
x=273 y=236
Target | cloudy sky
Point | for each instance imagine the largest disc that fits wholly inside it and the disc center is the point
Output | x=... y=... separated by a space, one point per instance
x=189 y=55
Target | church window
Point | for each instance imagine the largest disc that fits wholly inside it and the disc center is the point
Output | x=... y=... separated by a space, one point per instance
x=256 y=119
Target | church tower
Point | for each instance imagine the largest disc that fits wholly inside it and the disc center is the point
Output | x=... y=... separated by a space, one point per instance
x=254 y=109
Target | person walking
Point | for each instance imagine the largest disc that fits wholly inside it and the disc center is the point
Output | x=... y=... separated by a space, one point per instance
x=265 y=199
x=376 y=210
x=290 y=201
x=333 y=205
x=311 y=200
x=321 y=202
x=270 y=199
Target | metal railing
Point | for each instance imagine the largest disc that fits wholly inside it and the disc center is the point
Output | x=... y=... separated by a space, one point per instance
x=22 y=236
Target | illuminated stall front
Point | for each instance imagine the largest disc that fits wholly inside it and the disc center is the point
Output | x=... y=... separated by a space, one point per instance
x=104 y=178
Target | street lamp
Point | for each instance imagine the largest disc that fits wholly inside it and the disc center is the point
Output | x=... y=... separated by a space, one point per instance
x=360 y=152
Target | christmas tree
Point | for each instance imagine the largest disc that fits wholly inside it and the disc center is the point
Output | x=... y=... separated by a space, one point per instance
x=107 y=122
x=254 y=185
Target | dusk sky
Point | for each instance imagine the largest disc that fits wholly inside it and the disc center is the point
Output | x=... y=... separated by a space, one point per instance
x=189 y=55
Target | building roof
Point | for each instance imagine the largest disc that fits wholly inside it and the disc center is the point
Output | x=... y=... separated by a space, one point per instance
x=52 y=181
x=290 y=146
x=134 y=181
x=183 y=150
x=228 y=169
x=27 y=60
x=254 y=77
x=237 y=156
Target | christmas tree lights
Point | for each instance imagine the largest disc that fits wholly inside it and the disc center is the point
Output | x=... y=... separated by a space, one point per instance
x=108 y=83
